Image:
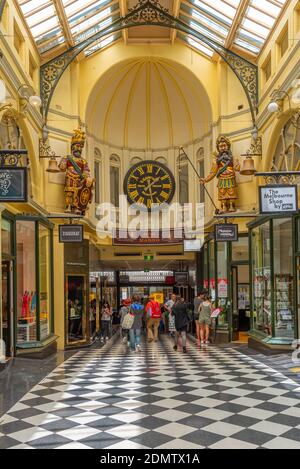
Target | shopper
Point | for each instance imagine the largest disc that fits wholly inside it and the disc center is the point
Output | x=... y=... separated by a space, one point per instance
x=137 y=310
x=197 y=303
x=124 y=310
x=153 y=312
x=205 y=310
x=180 y=311
x=106 y=315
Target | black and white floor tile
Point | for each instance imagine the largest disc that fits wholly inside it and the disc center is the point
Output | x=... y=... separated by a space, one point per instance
x=112 y=398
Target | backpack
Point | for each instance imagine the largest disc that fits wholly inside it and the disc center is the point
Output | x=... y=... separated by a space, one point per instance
x=128 y=321
x=154 y=311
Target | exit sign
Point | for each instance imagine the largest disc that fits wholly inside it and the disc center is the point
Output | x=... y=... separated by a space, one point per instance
x=148 y=258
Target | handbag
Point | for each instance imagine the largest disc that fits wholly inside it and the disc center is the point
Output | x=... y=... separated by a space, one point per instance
x=128 y=321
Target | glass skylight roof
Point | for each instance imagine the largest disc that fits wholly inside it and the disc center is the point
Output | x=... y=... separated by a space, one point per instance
x=60 y=24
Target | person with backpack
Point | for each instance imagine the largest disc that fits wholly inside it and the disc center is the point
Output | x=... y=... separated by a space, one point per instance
x=153 y=312
x=205 y=310
x=124 y=310
x=182 y=320
x=137 y=311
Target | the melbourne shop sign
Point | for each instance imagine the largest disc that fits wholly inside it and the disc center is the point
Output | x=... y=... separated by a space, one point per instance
x=278 y=199
x=70 y=233
x=226 y=232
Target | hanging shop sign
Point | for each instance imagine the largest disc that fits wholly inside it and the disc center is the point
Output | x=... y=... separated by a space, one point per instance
x=147 y=238
x=13 y=184
x=226 y=233
x=181 y=278
x=70 y=233
x=278 y=199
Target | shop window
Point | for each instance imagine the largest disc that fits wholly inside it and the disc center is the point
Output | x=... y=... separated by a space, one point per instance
x=76 y=308
x=287 y=153
x=183 y=178
x=114 y=180
x=211 y=269
x=45 y=281
x=222 y=280
x=6 y=233
x=283 y=42
x=261 y=255
x=205 y=267
x=26 y=282
x=283 y=278
x=240 y=249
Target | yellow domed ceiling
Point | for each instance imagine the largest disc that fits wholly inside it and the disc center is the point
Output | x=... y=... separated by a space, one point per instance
x=148 y=103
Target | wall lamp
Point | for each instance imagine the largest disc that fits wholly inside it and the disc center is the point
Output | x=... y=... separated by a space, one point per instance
x=28 y=97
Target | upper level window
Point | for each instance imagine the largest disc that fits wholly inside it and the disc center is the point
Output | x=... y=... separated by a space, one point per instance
x=283 y=41
x=18 y=39
x=183 y=179
x=267 y=68
x=114 y=180
x=287 y=153
x=97 y=175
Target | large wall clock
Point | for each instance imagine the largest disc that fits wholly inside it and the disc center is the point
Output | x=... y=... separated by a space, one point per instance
x=149 y=183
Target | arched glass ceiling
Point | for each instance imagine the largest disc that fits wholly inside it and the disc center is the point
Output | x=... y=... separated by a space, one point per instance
x=243 y=24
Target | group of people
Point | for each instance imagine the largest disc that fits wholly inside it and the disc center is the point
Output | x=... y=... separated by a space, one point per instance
x=133 y=316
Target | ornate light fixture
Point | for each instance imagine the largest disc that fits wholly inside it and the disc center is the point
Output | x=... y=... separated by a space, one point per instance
x=28 y=97
x=277 y=100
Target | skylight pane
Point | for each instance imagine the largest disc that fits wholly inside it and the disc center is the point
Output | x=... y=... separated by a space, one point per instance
x=200 y=47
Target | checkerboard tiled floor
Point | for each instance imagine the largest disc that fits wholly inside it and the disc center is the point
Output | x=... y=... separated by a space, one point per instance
x=112 y=398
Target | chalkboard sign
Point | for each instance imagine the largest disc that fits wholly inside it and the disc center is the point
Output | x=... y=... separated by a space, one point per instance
x=70 y=233
x=13 y=184
x=226 y=233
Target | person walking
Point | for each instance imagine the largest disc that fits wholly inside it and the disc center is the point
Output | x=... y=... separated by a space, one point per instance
x=180 y=311
x=205 y=310
x=137 y=310
x=124 y=310
x=153 y=312
x=168 y=307
x=197 y=303
x=106 y=315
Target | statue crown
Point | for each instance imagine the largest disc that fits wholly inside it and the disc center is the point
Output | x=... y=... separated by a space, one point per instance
x=78 y=137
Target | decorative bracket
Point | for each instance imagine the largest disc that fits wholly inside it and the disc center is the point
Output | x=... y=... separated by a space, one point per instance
x=150 y=12
x=11 y=157
x=279 y=177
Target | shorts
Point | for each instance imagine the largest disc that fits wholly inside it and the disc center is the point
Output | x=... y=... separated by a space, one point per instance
x=204 y=320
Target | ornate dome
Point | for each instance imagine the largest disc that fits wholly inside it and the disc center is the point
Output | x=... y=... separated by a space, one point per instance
x=148 y=103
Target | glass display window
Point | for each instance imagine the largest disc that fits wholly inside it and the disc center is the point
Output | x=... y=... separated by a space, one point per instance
x=283 y=278
x=26 y=281
x=45 y=280
x=262 y=286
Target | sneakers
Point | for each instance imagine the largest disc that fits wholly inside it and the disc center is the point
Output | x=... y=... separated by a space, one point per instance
x=138 y=348
x=175 y=348
x=184 y=350
x=124 y=340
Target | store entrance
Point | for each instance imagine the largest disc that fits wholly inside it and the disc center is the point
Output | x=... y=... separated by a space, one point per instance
x=240 y=290
x=6 y=306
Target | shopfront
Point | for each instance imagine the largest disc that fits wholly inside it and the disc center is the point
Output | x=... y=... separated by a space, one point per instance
x=275 y=254
x=27 y=284
x=226 y=276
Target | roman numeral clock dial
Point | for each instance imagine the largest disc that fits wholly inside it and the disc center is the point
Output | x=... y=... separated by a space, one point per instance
x=149 y=183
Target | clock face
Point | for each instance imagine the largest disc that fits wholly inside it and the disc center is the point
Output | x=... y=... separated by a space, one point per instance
x=149 y=183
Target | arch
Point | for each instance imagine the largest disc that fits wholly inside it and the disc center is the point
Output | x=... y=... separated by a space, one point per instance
x=161 y=159
x=273 y=140
x=135 y=160
x=150 y=12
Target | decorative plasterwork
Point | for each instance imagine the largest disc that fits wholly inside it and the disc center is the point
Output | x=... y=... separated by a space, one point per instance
x=150 y=12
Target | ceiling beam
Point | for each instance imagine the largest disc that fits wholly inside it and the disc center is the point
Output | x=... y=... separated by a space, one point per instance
x=123 y=12
x=176 y=10
x=64 y=22
x=240 y=13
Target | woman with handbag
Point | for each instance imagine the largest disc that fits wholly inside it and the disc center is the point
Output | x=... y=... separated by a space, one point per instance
x=182 y=320
x=205 y=311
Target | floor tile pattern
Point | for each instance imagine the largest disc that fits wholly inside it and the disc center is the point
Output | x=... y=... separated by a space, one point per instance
x=112 y=398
